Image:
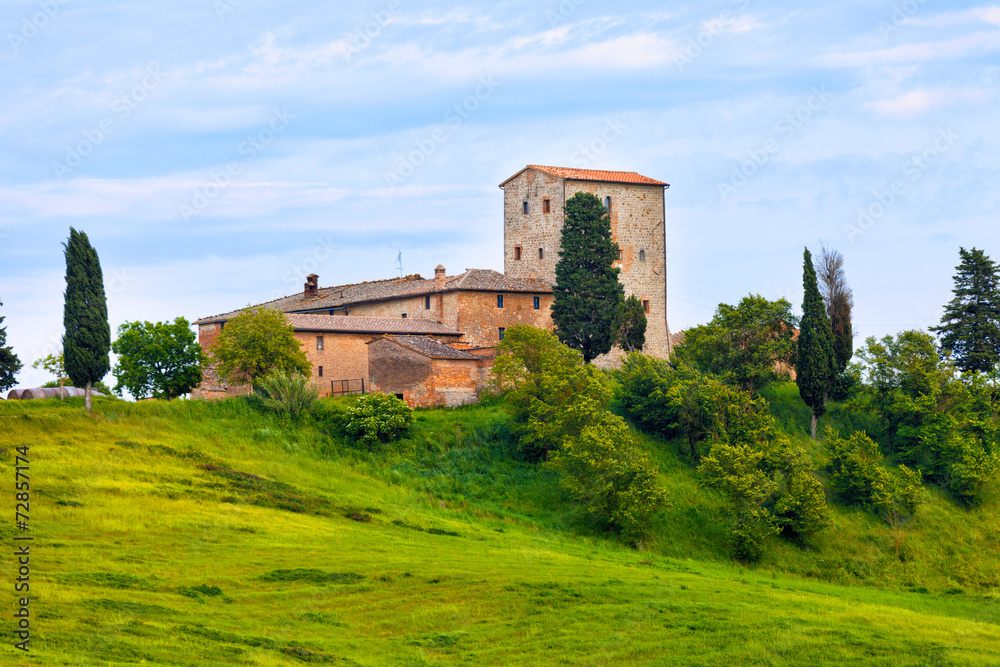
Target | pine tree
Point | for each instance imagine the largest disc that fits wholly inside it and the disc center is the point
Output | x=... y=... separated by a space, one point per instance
x=87 y=339
x=816 y=365
x=970 y=327
x=9 y=363
x=587 y=294
x=632 y=325
x=839 y=300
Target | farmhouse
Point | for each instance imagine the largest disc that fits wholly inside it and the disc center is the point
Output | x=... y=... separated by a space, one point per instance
x=431 y=340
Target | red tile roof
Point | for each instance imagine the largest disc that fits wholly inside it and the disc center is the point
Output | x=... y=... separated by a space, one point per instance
x=373 y=325
x=592 y=175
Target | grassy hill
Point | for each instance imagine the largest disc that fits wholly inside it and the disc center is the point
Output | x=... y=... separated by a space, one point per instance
x=199 y=534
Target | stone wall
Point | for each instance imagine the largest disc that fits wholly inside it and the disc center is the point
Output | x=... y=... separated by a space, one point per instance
x=480 y=319
x=637 y=225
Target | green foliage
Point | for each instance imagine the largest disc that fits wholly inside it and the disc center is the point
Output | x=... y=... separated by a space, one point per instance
x=749 y=345
x=549 y=390
x=632 y=325
x=9 y=363
x=53 y=363
x=255 y=342
x=816 y=364
x=587 y=296
x=161 y=359
x=606 y=472
x=87 y=336
x=378 y=418
x=970 y=326
x=288 y=394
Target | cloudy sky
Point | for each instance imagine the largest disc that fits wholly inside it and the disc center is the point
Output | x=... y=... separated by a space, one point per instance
x=216 y=151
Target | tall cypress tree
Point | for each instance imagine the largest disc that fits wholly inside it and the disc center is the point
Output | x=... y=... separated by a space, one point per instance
x=587 y=296
x=970 y=327
x=87 y=339
x=816 y=366
x=9 y=363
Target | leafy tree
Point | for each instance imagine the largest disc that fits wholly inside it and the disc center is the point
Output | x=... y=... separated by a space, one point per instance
x=587 y=295
x=609 y=475
x=839 y=300
x=9 y=363
x=161 y=359
x=378 y=418
x=87 y=337
x=53 y=363
x=970 y=326
x=549 y=390
x=816 y=364
x=632 y=325
x=255 y=342
x=749 y=345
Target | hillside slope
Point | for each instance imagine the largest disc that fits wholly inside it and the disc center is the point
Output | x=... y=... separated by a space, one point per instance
x=194 y=534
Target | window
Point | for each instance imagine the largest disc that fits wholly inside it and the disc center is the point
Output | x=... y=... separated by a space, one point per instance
x=619 y=254
x=645 y=306
x=404 y=316
x=517 y=253
x=400 y=397
x=222 y=325
x=501 y=332
x=319 y=342
x=541 y=253
x=607 y=203
x=333 y=311
x=546 y=206
x=499 y=300
x=525 y=208
x=319 y=371
x=427 y=302
x=538 y=302
x=642 y=255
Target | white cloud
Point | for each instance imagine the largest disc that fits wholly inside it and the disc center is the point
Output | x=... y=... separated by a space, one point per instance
x=990 y=15
x=921 y=100
x=951 y=49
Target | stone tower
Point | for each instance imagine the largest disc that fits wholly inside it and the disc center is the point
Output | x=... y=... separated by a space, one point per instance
x=532 y=226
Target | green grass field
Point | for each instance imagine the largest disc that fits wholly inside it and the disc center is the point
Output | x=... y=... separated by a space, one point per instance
x=197 y=534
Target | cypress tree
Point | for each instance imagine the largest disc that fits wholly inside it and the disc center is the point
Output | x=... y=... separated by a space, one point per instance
x=87 y=337
x=816 y=365
x=970 y=326
x=587 y=296
x=9 y=363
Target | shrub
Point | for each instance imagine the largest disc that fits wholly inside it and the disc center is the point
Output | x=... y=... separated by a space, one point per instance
x=288 y=394
x=378 y=418
x=607 y=473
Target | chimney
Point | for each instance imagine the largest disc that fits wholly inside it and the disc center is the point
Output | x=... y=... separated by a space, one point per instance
x=312 y=285
x=439 y=276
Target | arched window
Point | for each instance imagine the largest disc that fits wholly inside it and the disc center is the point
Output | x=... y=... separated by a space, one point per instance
x=607 y=203
x=642 y=255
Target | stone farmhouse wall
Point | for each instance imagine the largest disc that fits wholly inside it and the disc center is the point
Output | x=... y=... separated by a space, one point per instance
x=420 y=380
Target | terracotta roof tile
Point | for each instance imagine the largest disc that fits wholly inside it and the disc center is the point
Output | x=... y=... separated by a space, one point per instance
x=374 y=325
x=593 y=175
x=342 y=296
x=432 y=348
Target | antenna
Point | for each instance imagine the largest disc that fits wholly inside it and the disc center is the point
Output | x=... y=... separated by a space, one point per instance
x=399 y=261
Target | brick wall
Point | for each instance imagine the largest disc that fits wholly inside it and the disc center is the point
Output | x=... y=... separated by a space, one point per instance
x=422 y=381
x=480 y=319
x=344 y=357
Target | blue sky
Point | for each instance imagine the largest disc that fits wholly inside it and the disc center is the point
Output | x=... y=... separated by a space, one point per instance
x=216 y=151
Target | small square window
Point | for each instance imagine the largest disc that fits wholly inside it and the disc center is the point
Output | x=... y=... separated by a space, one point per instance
x=319 y=371
x=645 y=306
x=499 y=300
x=319 y=342
x=541 y=253
x=404 y=316
x=427 y=303
x=538 y=303
x=546 y=206
x=517 y=253
x=524 y=208
x=502 y=330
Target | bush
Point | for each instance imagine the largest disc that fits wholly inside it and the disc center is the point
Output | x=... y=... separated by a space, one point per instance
x=607 y=473
x=288 y=394
x=378 y=418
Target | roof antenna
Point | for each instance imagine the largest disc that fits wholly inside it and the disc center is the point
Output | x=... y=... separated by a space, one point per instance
x=399 y=260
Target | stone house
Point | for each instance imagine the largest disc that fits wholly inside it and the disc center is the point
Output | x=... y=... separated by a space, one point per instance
x=437 y=335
